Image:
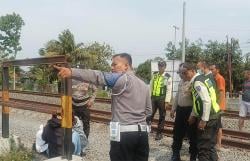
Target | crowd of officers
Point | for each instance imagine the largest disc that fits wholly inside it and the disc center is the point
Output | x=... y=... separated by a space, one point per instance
x=197 y=107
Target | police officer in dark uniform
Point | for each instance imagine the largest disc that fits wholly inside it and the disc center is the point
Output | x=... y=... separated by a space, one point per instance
x=181 y=110
x=161 y=93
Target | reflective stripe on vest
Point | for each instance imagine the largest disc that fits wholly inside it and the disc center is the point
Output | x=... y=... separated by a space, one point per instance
x=198 y=104
x=159 y=87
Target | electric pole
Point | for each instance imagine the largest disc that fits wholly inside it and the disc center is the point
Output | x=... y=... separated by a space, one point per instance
x=175 y=28
x=183 y=32
x=229 y=65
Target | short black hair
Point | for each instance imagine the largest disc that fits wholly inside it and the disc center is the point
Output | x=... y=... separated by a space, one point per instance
x=126 y=56
x=216 y=66
x=189 y=66
x=204 y=63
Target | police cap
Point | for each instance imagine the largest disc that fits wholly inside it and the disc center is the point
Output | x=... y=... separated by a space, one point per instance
x=162 y=63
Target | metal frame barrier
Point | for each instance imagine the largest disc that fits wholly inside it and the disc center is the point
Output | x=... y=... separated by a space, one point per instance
x=66 y=99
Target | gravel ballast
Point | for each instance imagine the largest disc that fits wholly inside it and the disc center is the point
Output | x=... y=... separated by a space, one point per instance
x=26 y=123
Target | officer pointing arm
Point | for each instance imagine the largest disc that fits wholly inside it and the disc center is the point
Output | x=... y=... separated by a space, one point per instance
x=130 y=105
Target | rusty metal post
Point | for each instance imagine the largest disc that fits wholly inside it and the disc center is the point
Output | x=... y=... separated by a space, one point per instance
x=67 y=117
x=5 y=109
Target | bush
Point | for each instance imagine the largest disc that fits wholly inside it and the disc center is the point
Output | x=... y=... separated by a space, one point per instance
x=16 y=153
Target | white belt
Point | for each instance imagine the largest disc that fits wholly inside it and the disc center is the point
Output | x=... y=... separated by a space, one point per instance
x=131 y=128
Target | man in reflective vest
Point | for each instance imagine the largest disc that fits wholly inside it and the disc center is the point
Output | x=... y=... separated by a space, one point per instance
x=206 y=111
x=161 y=92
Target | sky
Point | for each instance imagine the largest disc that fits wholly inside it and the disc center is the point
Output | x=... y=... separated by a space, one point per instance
x=139 y=27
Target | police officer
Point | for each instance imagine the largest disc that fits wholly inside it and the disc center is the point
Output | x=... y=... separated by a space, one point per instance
x=161 y=92
x=181 y=110
x=206 y=111
x=130 y=106
x=203 y=69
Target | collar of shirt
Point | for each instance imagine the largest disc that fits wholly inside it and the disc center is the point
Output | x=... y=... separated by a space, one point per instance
x=130 y=72
x=161 y=74
x=208 y=73
x=192 y=80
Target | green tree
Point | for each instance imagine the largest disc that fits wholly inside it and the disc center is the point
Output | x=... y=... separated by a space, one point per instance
x=143 y=71
x=171 y=52
x=193 y=51
x=246 y=60
x=10 y=33
x=65 y=45
x=213 y=52
x=96 y=56
x=93 y=55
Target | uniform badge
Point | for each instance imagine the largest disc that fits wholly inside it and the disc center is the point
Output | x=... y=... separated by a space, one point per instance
x=198 y=88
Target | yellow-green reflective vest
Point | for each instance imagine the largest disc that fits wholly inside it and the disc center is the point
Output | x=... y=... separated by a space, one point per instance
x=159 y=86
x=197 y=102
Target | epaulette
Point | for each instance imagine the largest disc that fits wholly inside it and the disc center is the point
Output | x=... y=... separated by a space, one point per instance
x=167 y=75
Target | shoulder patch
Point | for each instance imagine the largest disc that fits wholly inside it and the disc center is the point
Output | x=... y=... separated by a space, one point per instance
x=167 y=75
x=111 y=78
x=198 y=88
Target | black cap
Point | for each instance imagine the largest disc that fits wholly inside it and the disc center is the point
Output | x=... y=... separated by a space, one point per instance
x=162 y=63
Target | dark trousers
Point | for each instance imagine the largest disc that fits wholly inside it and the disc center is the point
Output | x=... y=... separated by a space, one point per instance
x=206 y=141
x=84 y=115
x=182 y=128
x=133 y=146
x=159 y=104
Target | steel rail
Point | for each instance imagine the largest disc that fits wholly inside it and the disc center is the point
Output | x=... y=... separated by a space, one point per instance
x=227 y=113
x=102 y=116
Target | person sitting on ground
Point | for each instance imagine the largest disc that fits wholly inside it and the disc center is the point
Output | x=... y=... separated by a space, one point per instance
x=40 y=145
x=53 y=136
x=79 y=138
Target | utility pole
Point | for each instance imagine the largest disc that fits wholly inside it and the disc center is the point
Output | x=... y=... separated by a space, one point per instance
x=175 y=28
x=183 y=32
x=229 y=65
x=14 y=78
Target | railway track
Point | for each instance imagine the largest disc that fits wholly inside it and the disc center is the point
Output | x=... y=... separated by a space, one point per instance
x=231 y=137
x=227 y=113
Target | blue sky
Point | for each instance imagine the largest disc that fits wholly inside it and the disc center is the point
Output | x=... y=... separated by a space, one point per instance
x=139 y=27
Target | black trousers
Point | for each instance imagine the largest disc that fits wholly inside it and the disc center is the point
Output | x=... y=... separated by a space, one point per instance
x=84 y=115
x=206 y=141
x=182 y=129
x=133 y=146
x=159 y=104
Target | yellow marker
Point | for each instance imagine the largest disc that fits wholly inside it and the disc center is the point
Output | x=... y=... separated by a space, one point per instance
x=6 y=98
x=66 y=102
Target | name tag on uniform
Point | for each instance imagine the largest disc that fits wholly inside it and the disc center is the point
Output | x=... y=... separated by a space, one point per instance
x=115 y=131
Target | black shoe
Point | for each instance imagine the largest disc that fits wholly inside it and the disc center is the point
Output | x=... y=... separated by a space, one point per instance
x=158 y=137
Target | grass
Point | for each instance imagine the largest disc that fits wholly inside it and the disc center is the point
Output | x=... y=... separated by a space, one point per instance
x=16 y=153
x=102 y=94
